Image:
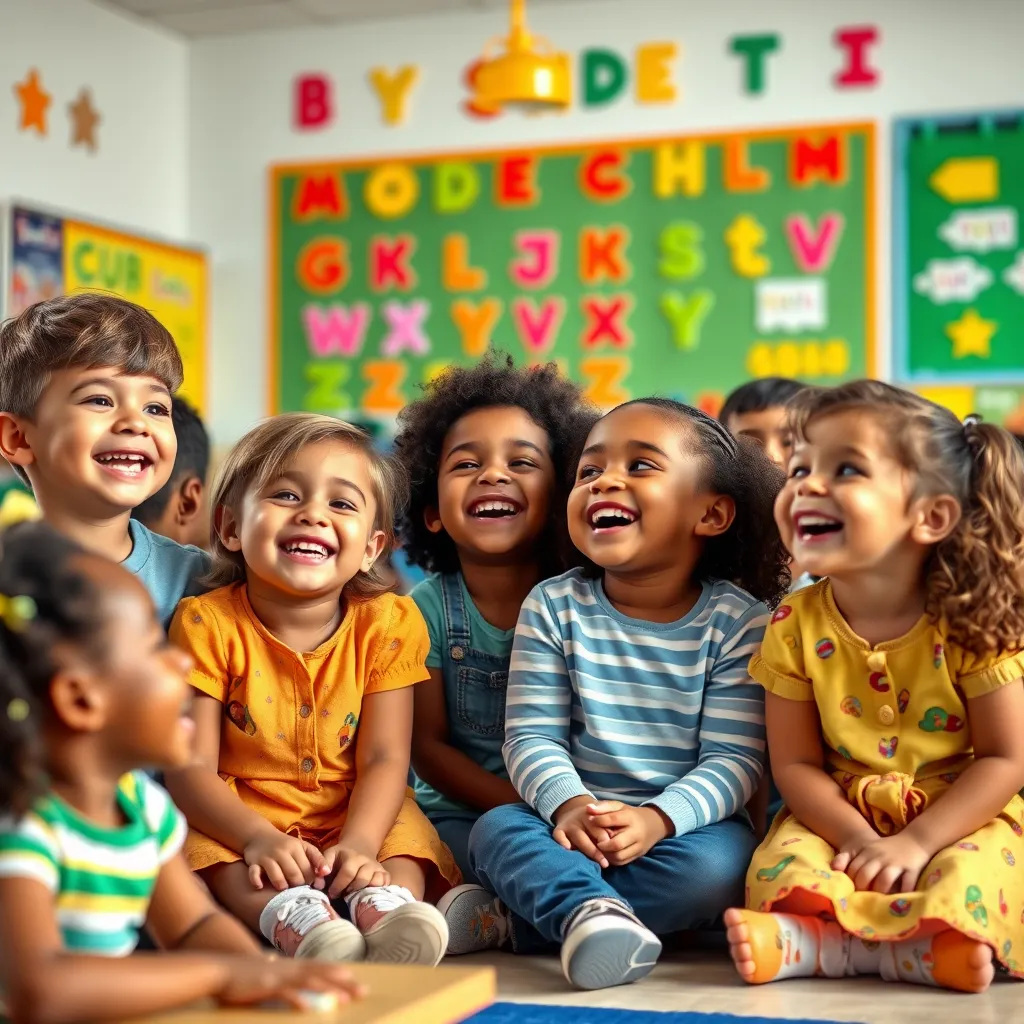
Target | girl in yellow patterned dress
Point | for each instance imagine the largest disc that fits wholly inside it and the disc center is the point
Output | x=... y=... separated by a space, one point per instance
x=894 y=702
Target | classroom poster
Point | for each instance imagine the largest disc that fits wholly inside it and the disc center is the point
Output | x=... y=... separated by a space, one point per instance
x=51 y=255
x=678 y=266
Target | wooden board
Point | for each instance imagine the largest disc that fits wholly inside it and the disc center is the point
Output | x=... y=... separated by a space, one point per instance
x=398 y=995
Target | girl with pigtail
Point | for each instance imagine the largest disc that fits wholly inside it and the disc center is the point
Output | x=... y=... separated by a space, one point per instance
x=894 y=704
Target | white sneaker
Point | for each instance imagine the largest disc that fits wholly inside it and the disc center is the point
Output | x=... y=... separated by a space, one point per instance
x=476 y=919
x=606 y=945
x=397 y=927
x=304 y=925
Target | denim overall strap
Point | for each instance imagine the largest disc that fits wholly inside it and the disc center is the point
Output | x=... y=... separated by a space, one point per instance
x=455 y=618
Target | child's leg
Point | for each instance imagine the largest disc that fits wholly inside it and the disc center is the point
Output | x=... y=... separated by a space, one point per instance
x=772 y=947
x=454 y=830
x=299 y=921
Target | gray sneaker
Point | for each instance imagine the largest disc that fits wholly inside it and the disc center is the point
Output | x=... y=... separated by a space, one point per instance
x=476 y=918
x=606 y=945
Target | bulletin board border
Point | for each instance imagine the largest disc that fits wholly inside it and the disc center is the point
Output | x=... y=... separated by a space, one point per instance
x=276 y=171
x=902 y=130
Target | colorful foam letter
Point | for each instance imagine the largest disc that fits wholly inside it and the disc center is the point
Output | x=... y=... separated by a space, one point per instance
x=322 y=266
x=812 y=160
x=515 y=181
x=739 y=175
x=336 y=330
x=383 y=397
x=326 y=381
x=457 y=273
x=813 y=250
x=754 y=50
x=320 y=195
x=314 y=104
x=601 y=176
x=536 y=266
x=654 y=82
x=406 y=323
x=456 y=187
x=389 y=263
x=687 y=315
x=743 y=237
x=538 y=328
x=476 y=324
x=393 y=91
x=603 y=377
x=606 y=317
x=682 y=255
x=391 y=190
x=604 y=77
x=679 y=169
x=603 y=255
x=854 y=42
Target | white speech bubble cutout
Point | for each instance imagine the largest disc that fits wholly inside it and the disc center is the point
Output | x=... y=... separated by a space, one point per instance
x=957 y=280
x=798 y=304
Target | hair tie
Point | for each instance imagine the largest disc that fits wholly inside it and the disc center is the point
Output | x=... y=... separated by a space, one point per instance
x=17 y=612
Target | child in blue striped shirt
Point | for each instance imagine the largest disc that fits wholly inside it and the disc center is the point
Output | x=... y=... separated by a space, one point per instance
x=633 y=732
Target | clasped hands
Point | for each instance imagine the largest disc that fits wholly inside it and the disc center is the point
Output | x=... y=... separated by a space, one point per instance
x=607 y=831
x=883 y=864
x=287 y=861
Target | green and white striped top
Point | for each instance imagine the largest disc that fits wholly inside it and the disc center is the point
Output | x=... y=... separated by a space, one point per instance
x=101 y=878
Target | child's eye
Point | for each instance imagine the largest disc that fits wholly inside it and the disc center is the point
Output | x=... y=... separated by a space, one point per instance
x=284 y=496
x=156 y=409
x=523 y=462
x=100 y=400
x=343 y=505
x=465 y=464
x=797 y=472
x=587 y=472
x=638 y=465
x=849 y=469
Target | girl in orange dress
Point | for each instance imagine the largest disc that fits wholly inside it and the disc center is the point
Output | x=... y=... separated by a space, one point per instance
x=304 y=667
x=894 y=705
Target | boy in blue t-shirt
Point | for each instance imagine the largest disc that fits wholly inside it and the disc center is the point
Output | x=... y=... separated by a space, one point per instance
x=85 y=418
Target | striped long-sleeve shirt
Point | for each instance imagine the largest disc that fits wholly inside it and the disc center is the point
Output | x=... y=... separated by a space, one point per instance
x=664 y=714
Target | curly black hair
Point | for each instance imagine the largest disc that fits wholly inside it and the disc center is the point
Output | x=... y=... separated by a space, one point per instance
x=549 y=399
x=750 y=553
x=48 y=600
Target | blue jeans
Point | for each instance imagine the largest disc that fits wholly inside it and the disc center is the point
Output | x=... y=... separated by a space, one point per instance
x=682 y=882
x=454 y=828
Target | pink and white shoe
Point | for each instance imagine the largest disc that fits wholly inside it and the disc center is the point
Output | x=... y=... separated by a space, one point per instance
x=397 y=927
x=301 y=922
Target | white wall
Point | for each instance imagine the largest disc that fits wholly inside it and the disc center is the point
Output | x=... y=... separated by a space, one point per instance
x=936 y=55
x=140 y=83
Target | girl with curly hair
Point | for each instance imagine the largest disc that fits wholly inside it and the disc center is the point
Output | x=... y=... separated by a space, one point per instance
x=894 y=701
x=634 y=732
x=486 y=452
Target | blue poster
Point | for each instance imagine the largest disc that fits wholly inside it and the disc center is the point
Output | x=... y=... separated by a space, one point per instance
x=37 y=258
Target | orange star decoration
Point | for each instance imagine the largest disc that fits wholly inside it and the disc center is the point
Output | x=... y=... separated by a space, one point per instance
x=84 y=120
x=971 y=335
x=34 y=100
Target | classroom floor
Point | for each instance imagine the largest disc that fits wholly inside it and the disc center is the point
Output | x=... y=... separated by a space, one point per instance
x=705 y=982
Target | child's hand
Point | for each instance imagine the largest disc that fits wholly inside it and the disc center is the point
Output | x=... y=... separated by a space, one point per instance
x=285 y=860
x=353 y=870
x=632 y=830
x=257 y=979
x=890 y=864
x=574 y=830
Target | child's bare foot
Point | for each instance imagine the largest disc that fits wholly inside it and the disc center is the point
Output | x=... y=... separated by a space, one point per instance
x=756 y=945
x=961 y=963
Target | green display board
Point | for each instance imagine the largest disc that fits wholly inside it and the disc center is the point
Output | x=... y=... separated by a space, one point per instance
x=677 y=266
x=958 y=260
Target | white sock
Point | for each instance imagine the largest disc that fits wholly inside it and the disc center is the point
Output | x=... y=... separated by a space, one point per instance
x=903 y=961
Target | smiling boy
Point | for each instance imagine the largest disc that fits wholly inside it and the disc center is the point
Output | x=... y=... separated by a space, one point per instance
x=85 y=418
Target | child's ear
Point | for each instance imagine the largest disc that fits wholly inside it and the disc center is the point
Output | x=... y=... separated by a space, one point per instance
x=14 y=444
x=226 y=525
x=937 y=517
x=432 y=519
x=717 y=518
x=188 y=501
x=374 y=547
x=78 y=700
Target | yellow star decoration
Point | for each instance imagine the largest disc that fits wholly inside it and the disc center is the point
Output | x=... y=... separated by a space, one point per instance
x=34 y=100
x=971 y=335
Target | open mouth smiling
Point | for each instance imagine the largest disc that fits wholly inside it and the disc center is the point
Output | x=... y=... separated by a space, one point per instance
x=124 y=462
x=308 y=550
x=610 y=516
x=814 y=527
x=494 y=508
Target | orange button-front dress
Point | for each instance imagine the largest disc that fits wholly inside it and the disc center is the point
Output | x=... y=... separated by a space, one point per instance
x=291 y=718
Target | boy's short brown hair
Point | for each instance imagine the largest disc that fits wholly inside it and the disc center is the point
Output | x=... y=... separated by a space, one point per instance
x=83 y=330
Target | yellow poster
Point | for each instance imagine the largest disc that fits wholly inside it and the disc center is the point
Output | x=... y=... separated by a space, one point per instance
x=169 y=281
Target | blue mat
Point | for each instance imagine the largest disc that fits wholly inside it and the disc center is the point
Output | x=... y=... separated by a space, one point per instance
x=532 y=1013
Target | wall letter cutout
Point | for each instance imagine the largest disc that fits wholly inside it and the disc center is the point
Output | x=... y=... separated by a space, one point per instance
x=812 y=160
x=320 y=196
x=336 y=330
x=325 y=393
x=854 y=43
x=391 y=191
x=515 y=181
x=739 y=175
x=383 y=397
x=389 y=263
x=314 y=104
x=604 y=77
x=323 y=266
x=682 y=255
x=406 y=323
x=654 y=82
x=537 y=265
x=456 y=187
x=457 y=273
x=394 y=91
x=604 y=376
x=813 y=250
x=603 y=255
x=538 y=328
x=754 y=50
x=476 y=324
x=606 y=317
x=679 y=169
x=687 y=316
x=601 y=176
x=743 y=237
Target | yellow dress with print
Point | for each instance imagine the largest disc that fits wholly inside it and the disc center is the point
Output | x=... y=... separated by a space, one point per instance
x=894 y=724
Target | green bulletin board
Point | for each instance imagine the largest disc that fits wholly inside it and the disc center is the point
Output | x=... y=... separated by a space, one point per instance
x=677 y=266
x=958 y=261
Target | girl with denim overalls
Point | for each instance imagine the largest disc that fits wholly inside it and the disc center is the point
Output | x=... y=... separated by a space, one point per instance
x=486 y=451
